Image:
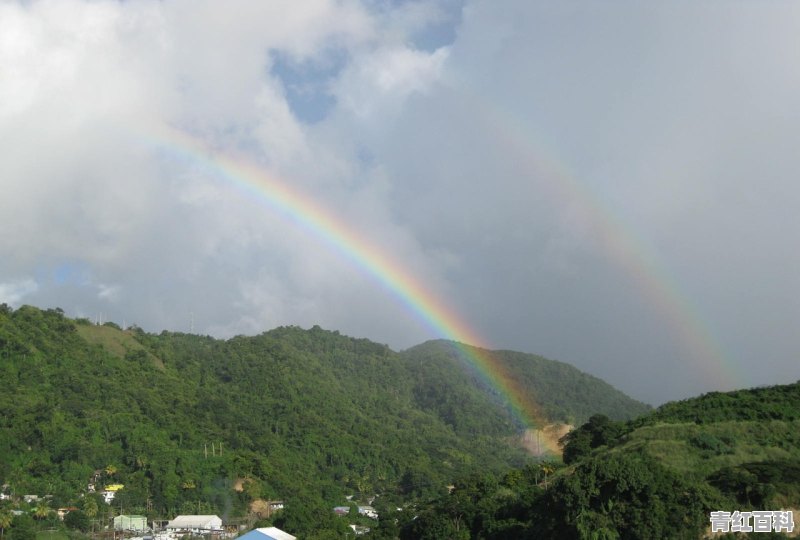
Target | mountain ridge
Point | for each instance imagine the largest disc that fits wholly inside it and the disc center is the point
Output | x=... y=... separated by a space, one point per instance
x=306 y=415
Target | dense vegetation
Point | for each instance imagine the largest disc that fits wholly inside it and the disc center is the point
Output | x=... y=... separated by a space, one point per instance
x=306 y=416
x=563 y=393
x=657 y=476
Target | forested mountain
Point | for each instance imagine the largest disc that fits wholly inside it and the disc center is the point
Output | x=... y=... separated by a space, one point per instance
x=563 y=393
x=657 y=476
x=306 y=416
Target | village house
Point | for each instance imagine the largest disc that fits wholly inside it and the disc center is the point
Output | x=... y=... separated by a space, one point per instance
x=368 y=511
x=359 y=529
x=62 y=512
x=110 y=491
x=182 y=525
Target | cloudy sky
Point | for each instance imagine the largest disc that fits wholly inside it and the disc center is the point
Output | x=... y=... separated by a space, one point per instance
x=610 y=184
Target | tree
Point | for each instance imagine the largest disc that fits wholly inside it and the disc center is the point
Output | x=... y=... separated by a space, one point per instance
x=90 y=507
x=78 y=520
x=41 y=511
x=5 y=520
x=547 y=468
x=598 y=431
x=22 y=528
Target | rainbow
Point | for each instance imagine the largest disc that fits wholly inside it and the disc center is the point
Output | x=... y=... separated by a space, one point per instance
x=618 y=241
x=303 y=211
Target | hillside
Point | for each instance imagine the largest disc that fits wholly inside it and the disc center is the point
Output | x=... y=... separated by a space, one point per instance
x=307 y=416
x=657 y=476
x=563 y=393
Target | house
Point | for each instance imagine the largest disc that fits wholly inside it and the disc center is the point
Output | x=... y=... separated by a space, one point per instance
x=368 y=511
x=359 y=529
x=110 y=491
x=267 y=533
x=30 y=499
x=194 y=525
x=341 y=510
x=62 y=512
x=130 y=523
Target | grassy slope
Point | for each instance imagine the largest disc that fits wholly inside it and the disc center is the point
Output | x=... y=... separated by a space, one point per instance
x=699 y=437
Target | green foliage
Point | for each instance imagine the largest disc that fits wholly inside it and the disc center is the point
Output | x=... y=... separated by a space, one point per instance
x=617 y=496
x=598 y=431
x=758 y=484
x=628 y=495
x=22 y=528
x=306 y=416
x=658 y=476
x=312 y=515
x=780 y=402
x=561 y=392
x=77 y=520
x=710 y=444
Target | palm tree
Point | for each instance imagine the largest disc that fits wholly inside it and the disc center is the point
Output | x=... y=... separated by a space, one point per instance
x=90 y=507
x=5 y=522
x=546 y=468
x=41 y=511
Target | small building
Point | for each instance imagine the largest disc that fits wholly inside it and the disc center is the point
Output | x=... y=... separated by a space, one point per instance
x=110 y=491
x=62 y=512
x=194 y=525
x=130 y=523
x=267 y=533
x=341 y=510
x=368 y=511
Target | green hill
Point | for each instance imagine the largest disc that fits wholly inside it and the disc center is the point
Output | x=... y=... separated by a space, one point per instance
x=563 y=393
x=657 y=476
x=306 y=416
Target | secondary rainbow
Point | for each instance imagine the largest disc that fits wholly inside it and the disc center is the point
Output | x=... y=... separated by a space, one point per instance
x=302 y=210
x=619 y=241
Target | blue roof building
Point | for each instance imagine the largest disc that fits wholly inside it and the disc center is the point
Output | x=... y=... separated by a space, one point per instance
x=267 y=533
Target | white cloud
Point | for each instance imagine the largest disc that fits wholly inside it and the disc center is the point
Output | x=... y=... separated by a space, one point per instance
x=380 y=81
x=13 y=292
x=492 y=168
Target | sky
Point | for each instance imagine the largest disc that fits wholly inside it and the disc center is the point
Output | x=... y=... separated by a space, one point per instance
x=608 y=184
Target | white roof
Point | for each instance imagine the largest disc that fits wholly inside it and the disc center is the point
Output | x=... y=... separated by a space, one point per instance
x=195 y=522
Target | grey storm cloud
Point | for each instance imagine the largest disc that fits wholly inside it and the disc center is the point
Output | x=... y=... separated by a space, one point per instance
x=611 y=185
